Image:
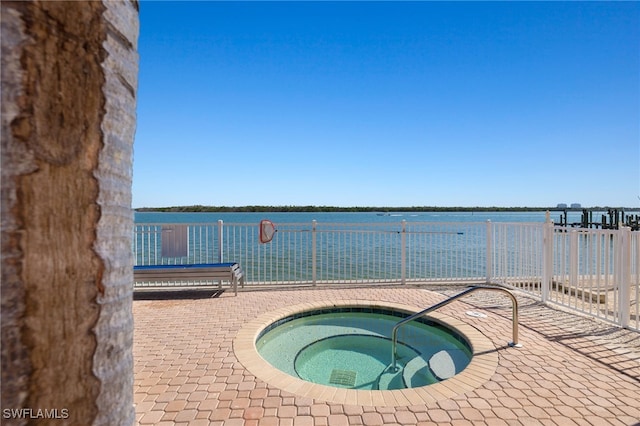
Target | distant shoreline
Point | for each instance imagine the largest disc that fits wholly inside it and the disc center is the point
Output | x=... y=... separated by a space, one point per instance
x=328 y=209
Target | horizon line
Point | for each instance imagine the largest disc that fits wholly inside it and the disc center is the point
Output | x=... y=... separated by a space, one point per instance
x=256 y=207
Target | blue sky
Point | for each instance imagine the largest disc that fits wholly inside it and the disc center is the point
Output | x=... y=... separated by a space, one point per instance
x=388 y=104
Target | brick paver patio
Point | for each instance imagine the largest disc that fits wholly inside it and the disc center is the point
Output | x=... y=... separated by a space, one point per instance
x=570 y=370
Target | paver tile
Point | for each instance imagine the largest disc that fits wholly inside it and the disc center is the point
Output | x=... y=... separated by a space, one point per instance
x=272 y=401
x=240 y=403
x=287 y=411
x=536 y=412
x=304 y=410
x=504 y=413
x=258 y=393
x=372 y=419
x=152 y=417
x=269 y=421
x=303 y=421
x=338 y=420
x=351 y=410
x=439 y=416
x=176 y=405
x=321 y=410
x=221 y=414
x=186 y=415
x=472 y=414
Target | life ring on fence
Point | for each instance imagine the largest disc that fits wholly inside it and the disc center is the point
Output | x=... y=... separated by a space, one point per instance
x=267 y=231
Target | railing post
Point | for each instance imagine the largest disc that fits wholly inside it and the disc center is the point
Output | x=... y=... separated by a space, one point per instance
x=314 y=252
x=220 y=237
x=574 y=258
x=624 y=286
x=489 y=252
x=547 y=257
x=403 y=253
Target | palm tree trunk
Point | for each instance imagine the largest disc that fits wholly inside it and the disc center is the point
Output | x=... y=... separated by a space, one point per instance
x=69 y=79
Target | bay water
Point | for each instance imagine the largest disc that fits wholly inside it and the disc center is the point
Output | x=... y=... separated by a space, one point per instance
x=352 y=217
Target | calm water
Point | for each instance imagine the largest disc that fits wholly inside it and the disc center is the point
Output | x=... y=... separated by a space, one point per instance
x=368 y=217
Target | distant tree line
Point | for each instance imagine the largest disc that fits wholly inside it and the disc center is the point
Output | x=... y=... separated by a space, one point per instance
x=314 y=209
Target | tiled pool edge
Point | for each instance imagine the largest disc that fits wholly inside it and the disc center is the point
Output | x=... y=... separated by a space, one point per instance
x=480 y=370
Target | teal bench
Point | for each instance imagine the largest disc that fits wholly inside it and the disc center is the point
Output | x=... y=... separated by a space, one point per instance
x=148 y=276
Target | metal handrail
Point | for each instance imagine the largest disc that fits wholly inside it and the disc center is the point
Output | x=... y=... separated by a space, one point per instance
x=514 y=301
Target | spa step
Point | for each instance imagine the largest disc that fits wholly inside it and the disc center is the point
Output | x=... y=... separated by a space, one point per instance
x=446 y=364
x=417 y=373
x=389 y=380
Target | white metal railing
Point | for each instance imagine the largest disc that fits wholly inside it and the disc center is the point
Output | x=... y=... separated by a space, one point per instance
x=593 y=271
x=515 y=255
x=634 y=281
x=329 y=252
x=596 y=272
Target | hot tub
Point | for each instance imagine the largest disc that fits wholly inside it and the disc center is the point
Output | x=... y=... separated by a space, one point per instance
x=341 y=352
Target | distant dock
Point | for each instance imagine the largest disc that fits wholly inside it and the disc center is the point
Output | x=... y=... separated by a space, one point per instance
x=612 y=219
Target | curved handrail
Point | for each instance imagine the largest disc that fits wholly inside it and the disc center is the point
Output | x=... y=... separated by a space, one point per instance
x=514 y=301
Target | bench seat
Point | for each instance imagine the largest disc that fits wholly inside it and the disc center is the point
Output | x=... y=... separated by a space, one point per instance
x=194 y=274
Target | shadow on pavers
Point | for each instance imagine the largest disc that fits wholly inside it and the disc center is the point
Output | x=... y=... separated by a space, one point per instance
x=176 y=294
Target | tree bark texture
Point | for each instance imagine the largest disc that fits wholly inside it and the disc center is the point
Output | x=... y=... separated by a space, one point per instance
x=69 y=79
